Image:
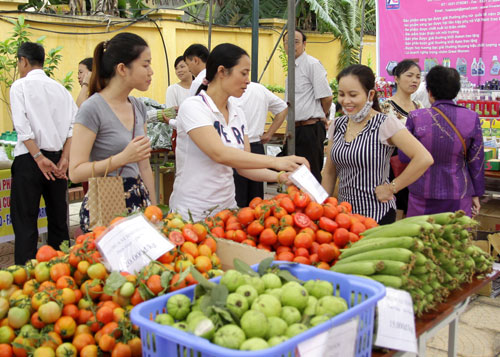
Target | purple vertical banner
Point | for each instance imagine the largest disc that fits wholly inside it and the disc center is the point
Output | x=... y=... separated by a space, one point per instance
x=463 y=34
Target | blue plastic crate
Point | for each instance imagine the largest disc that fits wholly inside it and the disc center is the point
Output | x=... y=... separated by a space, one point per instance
x=160 y=340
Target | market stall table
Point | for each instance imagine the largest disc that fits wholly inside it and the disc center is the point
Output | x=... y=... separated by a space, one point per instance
x=159 y=157
x=447 y=313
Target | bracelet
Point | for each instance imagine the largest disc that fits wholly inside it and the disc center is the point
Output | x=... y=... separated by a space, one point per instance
x=279 y=175
x=393 y=185
x=37 y=155
x=85 y=84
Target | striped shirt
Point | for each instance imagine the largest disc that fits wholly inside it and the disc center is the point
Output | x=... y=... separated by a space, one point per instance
x=362 y=165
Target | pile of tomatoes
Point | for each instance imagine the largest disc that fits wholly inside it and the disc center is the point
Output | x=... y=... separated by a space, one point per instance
x=66 y=303
x=295 y=227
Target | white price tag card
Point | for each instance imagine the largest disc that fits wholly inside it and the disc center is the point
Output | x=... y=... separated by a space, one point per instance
x=339 y=341
x=132 y=244
x=396 y=321
x=305 y=180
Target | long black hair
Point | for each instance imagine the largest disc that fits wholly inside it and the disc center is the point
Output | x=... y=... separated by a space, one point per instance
x=225 y=54
x=124 y=48
x=365 y=76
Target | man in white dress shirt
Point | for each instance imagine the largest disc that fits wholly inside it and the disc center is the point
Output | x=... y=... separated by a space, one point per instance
x=256 y=102
x=43 y=113
x=196 y=57
x=313 y=99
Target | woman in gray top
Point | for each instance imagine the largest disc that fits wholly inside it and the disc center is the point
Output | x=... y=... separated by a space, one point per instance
x=110 y=126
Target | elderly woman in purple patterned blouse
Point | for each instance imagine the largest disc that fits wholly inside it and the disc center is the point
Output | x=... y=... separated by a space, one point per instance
x=453 y=136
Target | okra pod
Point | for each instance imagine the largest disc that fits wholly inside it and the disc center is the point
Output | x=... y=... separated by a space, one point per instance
x=398 y=254
x=359 y=268
x=401 y=242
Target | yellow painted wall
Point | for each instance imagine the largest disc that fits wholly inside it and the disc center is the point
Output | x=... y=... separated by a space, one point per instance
x=178 y=36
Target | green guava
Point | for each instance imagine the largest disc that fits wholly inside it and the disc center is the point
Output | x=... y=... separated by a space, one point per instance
x=193 y=314
x=249 y=292
x=182 y=325
x=294 y=294
x=271 y=281
x=237 y=304
x=256 y=282
x=202 y=326
x=275 y=292
x=233 y=279
x=309 y=285
x=229 y=336
x=254 y=323
x=290 y=315
x=164 y=319
x=295 y=329
x=316 y=320
x=268 y=304
x=276 y=340
x=310 y=309
x=254 y=344
x=330 y=306
x=321 y=288
x=178 y=306
x=277 y=327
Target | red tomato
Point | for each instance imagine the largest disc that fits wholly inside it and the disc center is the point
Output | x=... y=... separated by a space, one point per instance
x=286 y=236
x=328 y=224
x=254 y=202
x=314 y=210
x=268 y=237
x=341 y=237
x=287 y=204
x=189 y=235
x=255 y=228
x=176 y=237
x=301 y=199
x=330 y=211
x=301 y=220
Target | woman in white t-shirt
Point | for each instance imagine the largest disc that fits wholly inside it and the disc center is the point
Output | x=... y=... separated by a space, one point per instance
x=212 y=140
x=176 y=93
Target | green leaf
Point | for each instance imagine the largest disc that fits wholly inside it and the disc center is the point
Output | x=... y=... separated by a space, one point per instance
x=265 y=265
x=64 y=247
x=224 y=314
x=199 y=291
x=144 y=291
x=164 y=209
x=165 y=278
x=183 y=276
x=114 y=281
x=208 y=285
x=219 y=295
x=243 y=267
x=287 y=276
x=206 y=306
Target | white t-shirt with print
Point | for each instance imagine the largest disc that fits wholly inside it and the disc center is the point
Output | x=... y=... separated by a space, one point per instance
x=202 y=184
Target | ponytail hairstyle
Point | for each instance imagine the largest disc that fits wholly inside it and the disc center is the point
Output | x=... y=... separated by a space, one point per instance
x=365 y=76
x=225 y=54
x=124 y=48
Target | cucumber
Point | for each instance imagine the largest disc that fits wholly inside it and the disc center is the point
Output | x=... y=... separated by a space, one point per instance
x=388 y=280
x=397 y=254
x=397 y=230
x=401 y=242
x=391 y=267
x=359 y=268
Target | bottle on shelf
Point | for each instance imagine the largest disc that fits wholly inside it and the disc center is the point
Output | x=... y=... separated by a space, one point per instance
x=474 y=67
x=495 y=66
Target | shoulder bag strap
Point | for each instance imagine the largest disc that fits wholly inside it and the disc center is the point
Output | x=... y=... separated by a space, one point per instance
x=454 y=128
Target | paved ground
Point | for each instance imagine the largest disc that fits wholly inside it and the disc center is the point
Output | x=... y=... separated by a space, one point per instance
x=479 y=327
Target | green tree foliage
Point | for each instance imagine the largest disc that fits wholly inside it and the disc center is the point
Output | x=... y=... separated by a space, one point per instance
x=8 y=59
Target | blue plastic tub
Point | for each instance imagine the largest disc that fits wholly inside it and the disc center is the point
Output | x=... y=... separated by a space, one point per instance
x=160 y=340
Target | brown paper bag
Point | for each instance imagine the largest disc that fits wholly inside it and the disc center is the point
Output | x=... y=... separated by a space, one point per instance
x=106 y=198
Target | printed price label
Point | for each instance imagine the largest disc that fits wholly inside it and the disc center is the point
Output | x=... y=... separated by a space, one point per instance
x=132 y=244
x=339 y=341
x=396 y=321
x=305 y=180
